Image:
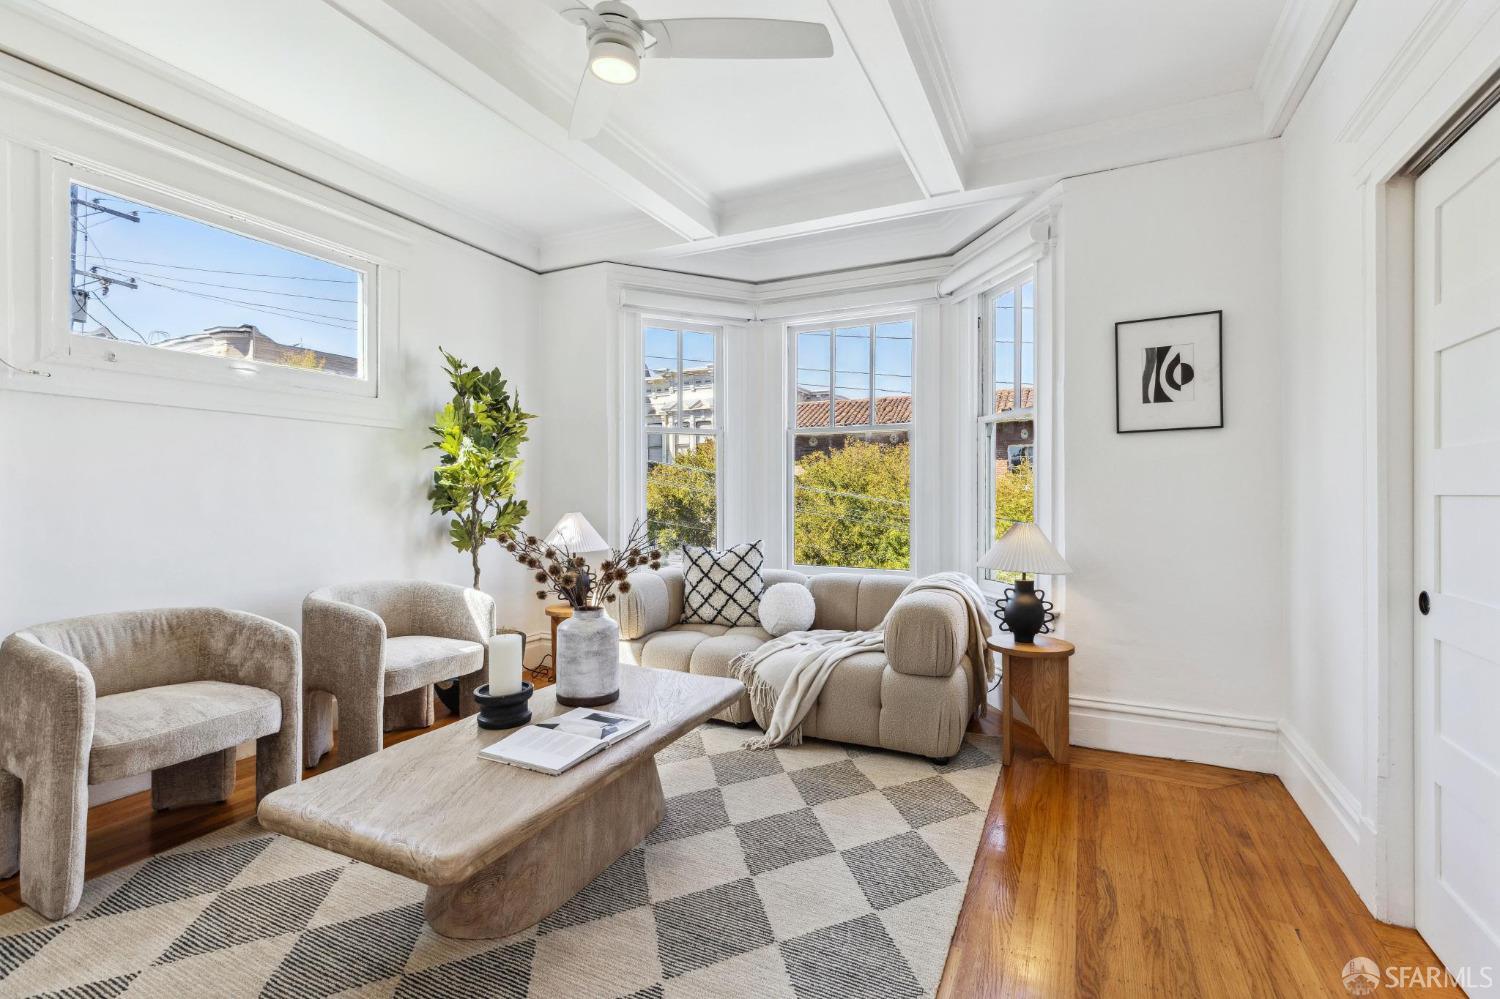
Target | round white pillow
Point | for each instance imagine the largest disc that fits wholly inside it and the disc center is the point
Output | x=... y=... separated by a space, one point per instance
x=785 y=608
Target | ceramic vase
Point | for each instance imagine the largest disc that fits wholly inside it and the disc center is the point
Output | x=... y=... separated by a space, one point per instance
x=588 y=658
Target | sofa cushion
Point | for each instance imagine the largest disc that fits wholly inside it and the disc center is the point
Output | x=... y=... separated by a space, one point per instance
x=855 y=601
x=787 y=607
x=722 y=586
x=848 y=708
x=412 y=661
x=673 y=648
x=138 y=731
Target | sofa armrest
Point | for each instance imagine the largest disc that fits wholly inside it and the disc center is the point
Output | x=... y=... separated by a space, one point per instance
x=653 y=603
x=341 y=642
x=47 y=712
x=927 y=633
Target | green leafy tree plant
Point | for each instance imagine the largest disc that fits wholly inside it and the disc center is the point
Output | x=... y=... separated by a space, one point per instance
x=480 y=434
x=682 y=499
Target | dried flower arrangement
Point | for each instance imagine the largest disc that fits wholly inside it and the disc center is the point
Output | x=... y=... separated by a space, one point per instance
x=567 y=575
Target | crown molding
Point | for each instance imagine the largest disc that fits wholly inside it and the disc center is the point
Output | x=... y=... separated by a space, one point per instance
x=84 y=56
x=1304 y=33
x=1410 y=55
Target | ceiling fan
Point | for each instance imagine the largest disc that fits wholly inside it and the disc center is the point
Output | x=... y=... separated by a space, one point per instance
x=618 y=39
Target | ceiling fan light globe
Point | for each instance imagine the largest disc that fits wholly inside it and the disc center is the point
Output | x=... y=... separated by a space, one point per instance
x=614 y=62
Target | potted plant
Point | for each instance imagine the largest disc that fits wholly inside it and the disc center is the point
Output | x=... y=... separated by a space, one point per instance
x=588 y=652
x=480 y=434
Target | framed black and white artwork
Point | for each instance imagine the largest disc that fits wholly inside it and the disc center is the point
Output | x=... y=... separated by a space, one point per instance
x=1169 y=373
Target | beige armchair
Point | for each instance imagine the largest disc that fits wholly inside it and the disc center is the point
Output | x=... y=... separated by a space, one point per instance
x=375 y=649
x=166 y=692
x=915 y=697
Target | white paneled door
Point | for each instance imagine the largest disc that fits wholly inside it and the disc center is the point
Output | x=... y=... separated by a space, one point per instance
x=1458 y=557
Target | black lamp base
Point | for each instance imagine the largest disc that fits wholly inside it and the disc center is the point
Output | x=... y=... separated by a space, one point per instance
x=1026 y=612
x=508 y=711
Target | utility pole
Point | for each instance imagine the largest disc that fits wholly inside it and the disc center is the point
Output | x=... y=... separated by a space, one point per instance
x=91 y=275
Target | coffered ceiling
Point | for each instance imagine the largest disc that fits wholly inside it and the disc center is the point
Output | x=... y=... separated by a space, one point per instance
x=932 y=120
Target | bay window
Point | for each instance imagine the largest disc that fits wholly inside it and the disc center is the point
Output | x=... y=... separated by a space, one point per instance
x=1008 y=406
x=682 y=427
x=850 y=443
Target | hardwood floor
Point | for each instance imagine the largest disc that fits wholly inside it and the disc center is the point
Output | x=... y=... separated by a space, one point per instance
x=1115 y=875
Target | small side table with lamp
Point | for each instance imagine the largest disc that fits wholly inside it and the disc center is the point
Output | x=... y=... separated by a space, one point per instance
x=1034 y=667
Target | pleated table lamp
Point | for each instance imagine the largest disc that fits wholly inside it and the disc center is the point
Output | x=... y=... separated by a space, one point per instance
x=1025 y=549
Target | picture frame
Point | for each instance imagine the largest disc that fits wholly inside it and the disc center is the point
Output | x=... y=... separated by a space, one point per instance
x=1169 y=373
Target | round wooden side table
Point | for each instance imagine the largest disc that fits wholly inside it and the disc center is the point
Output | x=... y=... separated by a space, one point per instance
x=558 y=613
x=1035 y=676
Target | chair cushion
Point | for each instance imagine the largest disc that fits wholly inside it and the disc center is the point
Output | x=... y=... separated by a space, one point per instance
x=411 y=661
x=138 y=731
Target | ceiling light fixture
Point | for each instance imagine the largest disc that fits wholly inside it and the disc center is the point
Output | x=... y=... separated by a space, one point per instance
x=614 y=62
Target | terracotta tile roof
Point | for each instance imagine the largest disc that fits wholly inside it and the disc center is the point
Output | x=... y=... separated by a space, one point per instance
x=888 y=409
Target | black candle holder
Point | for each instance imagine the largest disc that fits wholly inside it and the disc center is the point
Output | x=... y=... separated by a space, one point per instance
x=506 y=711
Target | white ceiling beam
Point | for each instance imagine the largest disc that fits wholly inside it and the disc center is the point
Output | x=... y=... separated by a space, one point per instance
x=454 y=40
x=896 y=47
x=1299 y=43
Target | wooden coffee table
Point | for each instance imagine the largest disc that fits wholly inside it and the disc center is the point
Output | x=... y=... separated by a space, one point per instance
x=500 y=848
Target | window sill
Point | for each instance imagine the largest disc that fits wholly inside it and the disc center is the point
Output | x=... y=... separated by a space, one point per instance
x=87 y=380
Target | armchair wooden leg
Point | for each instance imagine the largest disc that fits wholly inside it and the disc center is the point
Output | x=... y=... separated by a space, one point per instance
x=204 y=780
x=10 y=823
x=412 y=709
x=317 y=726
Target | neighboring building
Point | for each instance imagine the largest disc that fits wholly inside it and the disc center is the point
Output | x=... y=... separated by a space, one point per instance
x=251 y=344
x=1014 y=441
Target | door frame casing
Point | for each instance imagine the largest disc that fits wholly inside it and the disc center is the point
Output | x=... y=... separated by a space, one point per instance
x=1417 y=110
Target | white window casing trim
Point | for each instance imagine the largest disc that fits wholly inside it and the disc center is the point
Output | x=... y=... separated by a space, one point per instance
x=48 y=140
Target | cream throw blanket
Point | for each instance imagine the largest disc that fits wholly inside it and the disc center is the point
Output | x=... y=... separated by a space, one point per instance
x=782 y=692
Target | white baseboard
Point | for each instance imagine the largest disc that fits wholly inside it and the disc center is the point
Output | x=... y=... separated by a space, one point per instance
x=1240 y=741
x=1331 y=807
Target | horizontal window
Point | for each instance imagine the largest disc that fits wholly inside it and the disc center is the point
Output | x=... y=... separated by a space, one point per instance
x=145 y=276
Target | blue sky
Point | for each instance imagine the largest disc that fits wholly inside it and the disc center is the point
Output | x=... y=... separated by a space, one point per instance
x=193 y=276
x=850 y=367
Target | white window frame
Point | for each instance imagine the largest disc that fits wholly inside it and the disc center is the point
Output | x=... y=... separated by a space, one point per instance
x=792 y=431
x=987 y=417
x=60 y=345
x=715 y=430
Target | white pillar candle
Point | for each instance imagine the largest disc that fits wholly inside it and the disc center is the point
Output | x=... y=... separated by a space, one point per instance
x=505 y=665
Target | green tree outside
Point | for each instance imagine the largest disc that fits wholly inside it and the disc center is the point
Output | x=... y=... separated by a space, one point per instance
x=682 y=499
x=852 y=505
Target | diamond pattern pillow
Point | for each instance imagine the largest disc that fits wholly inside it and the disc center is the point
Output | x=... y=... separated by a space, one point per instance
x=721 y=587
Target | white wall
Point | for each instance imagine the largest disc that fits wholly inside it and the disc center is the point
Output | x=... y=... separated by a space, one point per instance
x=1177 y=600
x=1398 y=68
x=108 y=505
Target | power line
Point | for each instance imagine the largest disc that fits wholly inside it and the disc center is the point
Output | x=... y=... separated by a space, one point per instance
x=228 y=287
x=213 y=270
x=284 y=311
x=112 y=312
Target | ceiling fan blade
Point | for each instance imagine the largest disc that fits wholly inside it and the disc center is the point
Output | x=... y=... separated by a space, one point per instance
x=590 y=106
x=738 y=38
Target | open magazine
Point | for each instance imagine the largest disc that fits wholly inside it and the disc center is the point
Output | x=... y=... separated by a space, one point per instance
x=561 y=743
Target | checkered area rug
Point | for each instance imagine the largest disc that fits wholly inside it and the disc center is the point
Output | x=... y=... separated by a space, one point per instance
x=817 y=871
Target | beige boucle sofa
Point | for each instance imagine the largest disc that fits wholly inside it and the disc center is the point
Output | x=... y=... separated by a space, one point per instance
x=916 y=697
x=167 y=692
